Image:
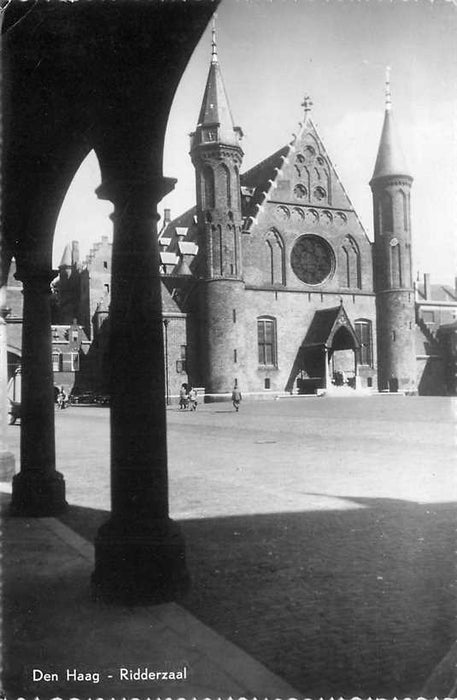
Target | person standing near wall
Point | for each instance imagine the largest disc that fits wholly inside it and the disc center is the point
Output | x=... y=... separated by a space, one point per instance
x=236 y=397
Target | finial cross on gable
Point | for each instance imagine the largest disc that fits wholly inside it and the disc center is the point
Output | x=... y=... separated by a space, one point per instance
x=307 y=104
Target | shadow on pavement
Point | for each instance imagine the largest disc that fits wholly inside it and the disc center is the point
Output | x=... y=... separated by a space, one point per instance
x=338 y=603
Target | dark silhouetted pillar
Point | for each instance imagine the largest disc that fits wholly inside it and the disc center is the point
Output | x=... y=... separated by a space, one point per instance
x=139 y=552
x=38 y=489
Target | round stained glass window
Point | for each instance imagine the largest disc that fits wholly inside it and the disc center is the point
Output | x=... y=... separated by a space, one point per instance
x=312 y=259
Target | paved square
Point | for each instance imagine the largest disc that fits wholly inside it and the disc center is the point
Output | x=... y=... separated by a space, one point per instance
x=320 y=532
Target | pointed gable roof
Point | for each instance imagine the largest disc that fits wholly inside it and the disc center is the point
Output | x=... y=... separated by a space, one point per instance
x=299 y=176
x=324 y=326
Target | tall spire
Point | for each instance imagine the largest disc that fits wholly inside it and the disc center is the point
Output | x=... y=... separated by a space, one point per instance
x=390 y=159
x=215 y=121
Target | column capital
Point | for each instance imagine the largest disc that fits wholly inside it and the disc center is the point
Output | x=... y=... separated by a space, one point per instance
x=136 y=195
x=35 y=279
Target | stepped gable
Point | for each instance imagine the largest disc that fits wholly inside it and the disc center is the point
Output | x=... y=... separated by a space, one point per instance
x=297 y=178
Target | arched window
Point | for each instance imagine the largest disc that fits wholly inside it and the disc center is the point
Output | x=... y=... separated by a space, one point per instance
x=275 y=267
x=363 y=332
x=266 y=341
x=351 y=267
x=208 y=187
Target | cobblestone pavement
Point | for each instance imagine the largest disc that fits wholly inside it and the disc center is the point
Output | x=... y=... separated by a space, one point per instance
x=321 y=532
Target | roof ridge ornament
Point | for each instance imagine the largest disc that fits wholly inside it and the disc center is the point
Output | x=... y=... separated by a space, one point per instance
x=388 y=90
x=213 y=42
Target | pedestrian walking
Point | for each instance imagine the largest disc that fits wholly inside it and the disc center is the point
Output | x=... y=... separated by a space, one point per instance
x=236 y=398
x=192 y=399
x=183 y=397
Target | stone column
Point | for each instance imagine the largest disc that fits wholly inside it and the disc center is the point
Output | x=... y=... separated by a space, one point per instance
x=6 y=457
x=327 y=379
x=139 y=552
x=38 y=489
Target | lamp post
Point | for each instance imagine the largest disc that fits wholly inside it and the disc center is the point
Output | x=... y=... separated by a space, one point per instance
x=166 y=321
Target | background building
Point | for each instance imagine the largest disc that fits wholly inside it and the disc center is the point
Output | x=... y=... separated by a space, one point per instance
x=270 y=281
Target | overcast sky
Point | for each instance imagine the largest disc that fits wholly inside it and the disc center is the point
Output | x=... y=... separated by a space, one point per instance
x=274 y=52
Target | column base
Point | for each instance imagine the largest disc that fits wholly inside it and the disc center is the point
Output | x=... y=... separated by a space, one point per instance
x=38 y=496
x=7 y=469
x=139 y=564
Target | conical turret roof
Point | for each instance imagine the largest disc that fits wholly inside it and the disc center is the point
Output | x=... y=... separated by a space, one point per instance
x=390 y=160
x=66 y=257
x=215 y=109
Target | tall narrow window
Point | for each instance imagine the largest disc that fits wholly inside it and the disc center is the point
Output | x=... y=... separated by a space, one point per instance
x=266 y=341
x=346 y=281
x=364 y=335
x=74 y=361
x=236 y=189
x=356 y=276
x=404 y=200
x=351 y=269
x=275 y=264
x=387 y=212
x=225 y=184
x=395 y=264
x=57 y=361
x=270 y=258
x=208 y=187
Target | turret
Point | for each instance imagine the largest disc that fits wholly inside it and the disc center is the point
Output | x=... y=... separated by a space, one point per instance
x=391 y=188
x=217 y=155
